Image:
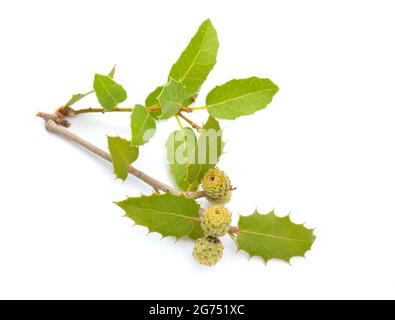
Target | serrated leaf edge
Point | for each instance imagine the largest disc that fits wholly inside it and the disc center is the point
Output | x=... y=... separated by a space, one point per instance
x=149 y=231
x=287 y=217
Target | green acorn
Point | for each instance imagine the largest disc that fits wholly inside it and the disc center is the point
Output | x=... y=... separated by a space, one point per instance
x=215 y=221
x=217 y=186
x=208 y=251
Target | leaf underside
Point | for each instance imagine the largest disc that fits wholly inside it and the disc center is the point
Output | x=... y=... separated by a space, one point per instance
x=189 y=158
x=240 y=97
x=143 y=125
x=180 y=148
x=122 y=154
x=171 y=98
x=167 y=214
x=271 y=237
x=152 y=100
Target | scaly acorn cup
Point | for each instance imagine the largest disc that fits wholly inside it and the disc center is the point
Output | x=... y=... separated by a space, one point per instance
x=217 y=186
x=215 y=221
x=208 y=251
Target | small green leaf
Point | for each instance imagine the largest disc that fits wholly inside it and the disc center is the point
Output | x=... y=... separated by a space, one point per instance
x=189 y=158
x=167 y=214
x=111 y=74
x=272 y=237
x=77 y=97
x=143 y=126
x=181 y=154
x=152 y=100
x=171 y=98
x=108 y=92
x=122 y=155
x=240 y=97
x=197 y=60
x=210 y=147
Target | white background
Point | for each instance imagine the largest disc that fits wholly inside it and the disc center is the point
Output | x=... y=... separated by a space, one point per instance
x=324 y=149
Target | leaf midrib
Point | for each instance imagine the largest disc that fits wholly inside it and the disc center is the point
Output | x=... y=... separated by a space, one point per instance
x=106 y=90
x=122 y=156
x=140 y=132
x=196 y=56
x=239 y=97
x=166 y=213
x=272 y=236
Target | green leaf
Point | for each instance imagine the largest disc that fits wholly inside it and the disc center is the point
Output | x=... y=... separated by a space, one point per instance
x=171 y=98
x=108 y=92
x=181 y=153
x=152 y=100
x=192 y=67
x=143 y=126
x=167 y=214
x=197 y=60
x=272 y=237
x=212 y=130
x=111 y=74
x=122 y=155
x=210 y=149
x=77 y=97
x=189 y=158
x=240 y=97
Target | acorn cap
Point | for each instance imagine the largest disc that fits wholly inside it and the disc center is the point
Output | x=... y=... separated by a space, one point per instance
x=215 y=221
x=208 y=251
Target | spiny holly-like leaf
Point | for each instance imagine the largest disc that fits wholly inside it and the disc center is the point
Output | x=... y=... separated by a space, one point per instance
x=240 y=97
x=143 y=125
x=271 y=237
x=190 y=158
x=167 y=214
x=171 y=98
x=122 y=155
x=77 y=97
x=197 y=60
x=108 y=92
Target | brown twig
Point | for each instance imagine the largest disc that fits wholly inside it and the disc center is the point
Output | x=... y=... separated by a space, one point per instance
x=193 y=124
x=63 y=112
x=55 y=117
x=99 y=110
x=53 y=127
x=67 y=111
